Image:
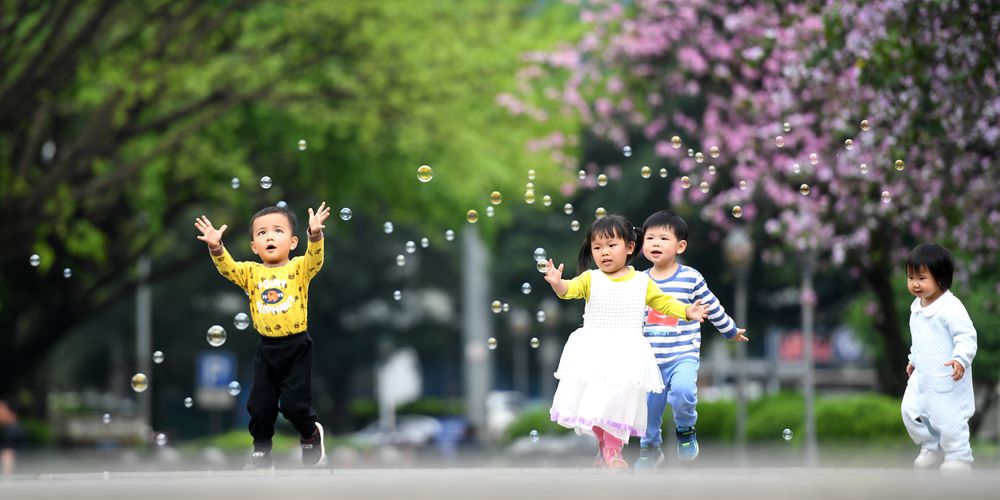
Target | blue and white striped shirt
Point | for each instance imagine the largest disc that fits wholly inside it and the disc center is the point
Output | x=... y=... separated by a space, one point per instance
x=673 y=339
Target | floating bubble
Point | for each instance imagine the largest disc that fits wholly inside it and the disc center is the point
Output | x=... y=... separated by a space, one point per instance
x=863 y=168
x=602 y=180
x=533 y=436
x=568 y=208
x=161 y=439
x=411 y=246
x=139 y=382
x=886 y=197
x=281 y=204
x=685 y=182
x=900 y=165
x=581 y=175
x=690 y=152
x=529 y=197
x=737 y=211
x=703 y=186
x=106 y=418
x=849 y=144
x=188 y=402
x=779 y=141
x=449 y=235
x=743 y=185
x=542 y=265
x=496 y=306
x=35 y=260
x=534 y=342
x=531 y=174
x=158 y=357
x=699 y=157
x=627 y=151
x=400 y=260
x=529 y=186
x=424 y=242
x=265 y=182
x=472 y=216
x=491 y=343
x=711 y=170
x=67 y=273
x=216 y=336
x=302 y=145
x=574 y=225
x=645 y=172
x=241 y=321
x=786 y=434
x=397 y=295
x=600 y=212
x=526 y=288
x=675 y=142
x=663 y=173
x=540 y=316
x=804 y=190
x=235 y=183
x=714 y=151
x=796 y=168
x=387 y=228
x=496 y=198
x=235 y=388
x=506 y=307
x=546 y=200
x=346 y=214
x=813 y=158
x=425 y=173
x=864 y=125
x=540 y=254
x=787 y=127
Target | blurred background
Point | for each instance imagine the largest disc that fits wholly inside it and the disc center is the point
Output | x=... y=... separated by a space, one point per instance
x=809 y=146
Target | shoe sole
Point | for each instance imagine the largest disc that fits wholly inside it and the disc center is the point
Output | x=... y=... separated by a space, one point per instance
x=322 y=446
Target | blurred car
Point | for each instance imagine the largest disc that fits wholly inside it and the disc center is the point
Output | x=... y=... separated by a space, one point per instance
x=410 y=431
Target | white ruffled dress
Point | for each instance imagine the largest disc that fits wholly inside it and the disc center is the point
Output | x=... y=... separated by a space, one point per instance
x=607 y=367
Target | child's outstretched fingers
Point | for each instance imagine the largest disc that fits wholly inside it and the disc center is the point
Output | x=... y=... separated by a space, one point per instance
x=957 y=370
x=739 y=337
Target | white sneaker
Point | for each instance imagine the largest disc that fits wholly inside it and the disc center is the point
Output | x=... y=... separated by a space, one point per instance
x=927 y=458
x=955 y=466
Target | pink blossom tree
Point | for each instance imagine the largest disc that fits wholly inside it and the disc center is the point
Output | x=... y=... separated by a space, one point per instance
x=847 y=130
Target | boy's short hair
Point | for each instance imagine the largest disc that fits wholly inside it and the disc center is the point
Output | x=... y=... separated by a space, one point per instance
x=273 y=210
x=937 y=260
x=666 y=218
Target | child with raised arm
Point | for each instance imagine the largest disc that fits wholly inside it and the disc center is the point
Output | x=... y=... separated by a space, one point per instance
x=278 y=289
x=938 y=401
x=607 y=367
x=676 y=343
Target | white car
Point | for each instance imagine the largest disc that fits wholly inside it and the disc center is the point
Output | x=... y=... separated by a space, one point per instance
x=410 y=431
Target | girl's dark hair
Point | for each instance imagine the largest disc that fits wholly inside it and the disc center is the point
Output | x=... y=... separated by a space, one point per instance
x=608 y=226
x=273 y=210
x=937 y=260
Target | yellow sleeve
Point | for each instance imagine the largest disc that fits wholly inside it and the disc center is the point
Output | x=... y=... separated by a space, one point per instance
x=312 y=261
x=237 y=272
x=579 y=287
x=664 y=303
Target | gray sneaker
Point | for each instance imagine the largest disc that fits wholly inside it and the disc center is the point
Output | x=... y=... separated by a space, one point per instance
x=314 y=449
x=259 y=461
x=650 y=457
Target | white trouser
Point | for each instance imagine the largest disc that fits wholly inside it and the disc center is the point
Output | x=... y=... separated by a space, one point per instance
x=938 y=421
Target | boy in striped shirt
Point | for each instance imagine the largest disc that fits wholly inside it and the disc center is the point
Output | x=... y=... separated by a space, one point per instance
x=676 y=343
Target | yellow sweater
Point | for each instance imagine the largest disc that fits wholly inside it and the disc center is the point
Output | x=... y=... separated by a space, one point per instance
x=579 y=288
x=278 y=295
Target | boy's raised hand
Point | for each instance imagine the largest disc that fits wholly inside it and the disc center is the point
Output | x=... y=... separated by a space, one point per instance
x=209 y=234
x=696 y=311
x=317 y=218
x=553 y=274
x=739 y=337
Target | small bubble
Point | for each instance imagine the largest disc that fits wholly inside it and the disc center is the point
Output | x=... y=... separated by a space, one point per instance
x=397 y=295
x=714 y=151
x=779 y=141
x=424 y=242
x=425 y=173
x=526 y=288
x=400 y=260
x=796 y=168
x=491 y=343
x=529 y=186
x=235 y=183
x=813 y=158
x=139 y=382
x=67 y=273
x=235 y=388
x=449 y=235
x=698 y=157
x=574 y=225
x=690 y=152
x=786 y=434
x=534 y=342
x=106 y=418
x=627 y=151
x=737 y=211
x=804 y=190
x=161 y=439
x=546 y=200
x=581 y=175
x=864 y=125
x=600 y=212
x=886 y=197
x=675 y=142
x=542 y=265
x=703 y=186
x=540 y=316
x=602 y=180
x=387 y=228
x=506 y=307
x=411 y=246
x=281 y=204
x=568 y=208
x=533 y=436
x=849 y=144
x=900 y=165
x=863 y=168
x=645 y=172
x=711 y=170
x=472 y=216
x=241 y=321
x=346 y=214
x=216 y=336
x=685 y=182
x=302 y=144
x=529 y=197
x=265 y=182
x=496 y=306
x=663 y=173
x=540 y=254
x=158 y=357
x=787 y=127
x=531 y=174
x=496 y=198
x=34 y=260
x=188 y=402
x=743 y=185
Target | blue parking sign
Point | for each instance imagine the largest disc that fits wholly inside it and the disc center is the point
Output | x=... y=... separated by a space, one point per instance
x=215 y=369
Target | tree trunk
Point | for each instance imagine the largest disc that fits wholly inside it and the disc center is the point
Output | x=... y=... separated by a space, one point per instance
x=892 y=368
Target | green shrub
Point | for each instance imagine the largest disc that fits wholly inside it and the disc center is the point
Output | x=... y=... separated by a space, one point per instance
x=535 y=418
x=865 y=416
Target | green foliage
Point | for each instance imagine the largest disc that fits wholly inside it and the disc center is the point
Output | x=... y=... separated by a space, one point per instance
x=537 y=419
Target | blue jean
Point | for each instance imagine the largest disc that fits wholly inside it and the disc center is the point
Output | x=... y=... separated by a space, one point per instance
x=681 y=392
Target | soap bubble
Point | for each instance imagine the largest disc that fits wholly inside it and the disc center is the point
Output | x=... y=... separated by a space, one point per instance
x=533 y=436
x=526 y=288
x=627 y=151
x=685 y=182
x=663 y=173
x=506 y=307
x=568 y=208
x=698 y=157
x=387 y=228
x=600 y=212
x=540 y=254
x=235 y=388
x=157 y=357
x=265 y=182
x=714 y=151
x=496 y=198
x=645 y=172
x=602 y=180
x=743 y=185
x=690 y=152
x=34 y=260
x=534 y=342
x=241 y=321
x=424 y=242
x=863 y=168
x=849 y=144
x=106 y=418
x=529 y=196
x=574 y=225
x=779 y=141
x=188 y=402
x=235 y=183
x=139 y=382
x=813 y=158
x=546 y=200
x=786 y=434
x=281 y=204
x=216 y=336
x=496 y=306
x=737 y=211
x=346 y=214
x=491 y=343
x=67 y=273
x=449 y=235
x=886 y=197
x=529 y=186
x=582 y=174
x=302 y=144
x=540 y=316
x=804 y=190
x=411 y=246
x=864 y=125
x=787 y=127
x=711 y=170
x=675 y=142
x=796 y=168
x=531 y=174
x=472 y=216
x=397 y=295
x=900 y=165
x=400 y=260
x=425 y=173
x=161 y=439
x=703 y=186
x=542 y=265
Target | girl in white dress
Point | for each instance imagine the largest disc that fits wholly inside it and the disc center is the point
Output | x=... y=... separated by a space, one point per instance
x=607 y=366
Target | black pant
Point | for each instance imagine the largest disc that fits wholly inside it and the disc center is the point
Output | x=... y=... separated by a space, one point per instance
x=282 y=369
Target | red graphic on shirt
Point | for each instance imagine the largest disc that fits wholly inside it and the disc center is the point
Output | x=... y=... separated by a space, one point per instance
x=654 y=317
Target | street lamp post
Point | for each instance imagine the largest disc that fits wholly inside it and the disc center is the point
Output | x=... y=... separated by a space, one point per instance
x=808 y=301
x=739 y=254
x=520 y=325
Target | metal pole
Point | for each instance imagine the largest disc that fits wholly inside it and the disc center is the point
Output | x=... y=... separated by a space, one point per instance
x=477 y=327
x=144 y=335
x=519 y=325
x=808 y=378
x=741 y=358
